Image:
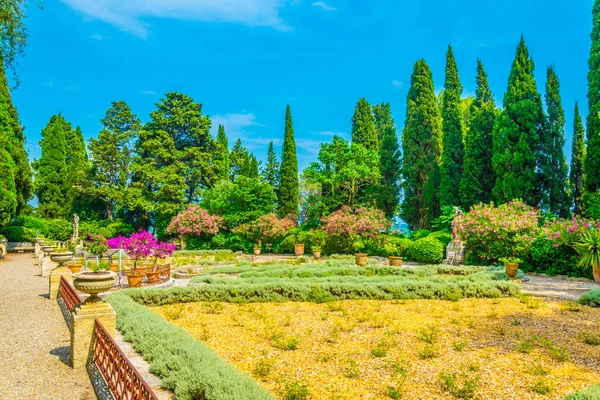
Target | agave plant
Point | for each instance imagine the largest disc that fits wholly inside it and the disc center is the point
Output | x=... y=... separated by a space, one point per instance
x=589 y=249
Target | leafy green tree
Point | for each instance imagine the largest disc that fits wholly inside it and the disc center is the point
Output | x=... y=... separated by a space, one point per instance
x=383 y=120
x=270 y=172
x=554 y=169
x=222 y=160
x=8 y=190
x=13 y=32
x=592 y=159
x=16 y=146
x=363 y=126
x=390 y=160
x=451 y=169
x=421 y=146
x=111 y=155
x=346 y=169
x=478 y=178
x=52 y=185
x=577 y=175
x=288 y=175
x=517 y=134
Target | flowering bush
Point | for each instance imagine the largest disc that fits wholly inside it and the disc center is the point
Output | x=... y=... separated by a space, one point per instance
x=195 y=221
x=116 y=242
x=142 y=245
x=568 y=231
x=96 y=244
x=268 y=228
x=348 y=229
x=494 y=232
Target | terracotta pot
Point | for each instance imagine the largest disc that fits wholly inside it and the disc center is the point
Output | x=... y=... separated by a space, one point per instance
x=153 y=277
x=596 y=270
x=511 y=270
x=299 y=249
x=395 y=261
x=114 y=268
x=74 y=267
x=257 y=252
x=361 y=259
x=316 y=255
x=93 y=283
x=134 y=280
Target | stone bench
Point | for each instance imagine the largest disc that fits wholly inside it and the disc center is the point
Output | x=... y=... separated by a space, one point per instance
x=20 y=247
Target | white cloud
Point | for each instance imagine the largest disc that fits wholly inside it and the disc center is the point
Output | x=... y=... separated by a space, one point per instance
x=324 y=6
x=148 y=92
x=398 y=84
x=97 y=36
x=331 y=133
x=129 y=15
x=236 y=126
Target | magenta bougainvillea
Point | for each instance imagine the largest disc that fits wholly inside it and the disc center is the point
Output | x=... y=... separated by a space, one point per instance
x=494 y=232
x=195 y=221
x=268 y=228
x=142 y=245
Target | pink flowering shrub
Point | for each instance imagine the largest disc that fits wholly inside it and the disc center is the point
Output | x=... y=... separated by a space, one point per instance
x=349 y=229
x=195 y=221
x=493 y=232
x=568 y=231
x=269 y=228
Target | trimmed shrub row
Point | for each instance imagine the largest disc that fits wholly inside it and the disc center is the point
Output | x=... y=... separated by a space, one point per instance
x=186 y=365
x=589 y=393
x=591 y=298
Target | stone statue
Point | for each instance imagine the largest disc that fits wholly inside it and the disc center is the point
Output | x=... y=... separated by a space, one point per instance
x=75 y=226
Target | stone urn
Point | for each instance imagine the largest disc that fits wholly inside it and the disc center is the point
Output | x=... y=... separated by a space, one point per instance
x=395 y=261
x=93 y=283
x=361 y=259
x=257 y=251
x=61 y=257
x=299 y=249
x=49 y=248
x=317 y=254
x=511 y=270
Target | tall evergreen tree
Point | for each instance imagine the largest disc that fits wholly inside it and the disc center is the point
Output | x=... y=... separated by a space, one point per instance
x=288 y=175
x=451 y=169
x=111 y=154
x=8 y=190
x=363 y=126
x=78 y=167
x=421 y=146
x=592 y=159
x=240 y=160
x=222 y=160
x=52 y=184
x=478 y=177
x=390 y=165
x=16 y=147
x=270 y=173
x=383 y=120
x=554 y=169
x=577 y=175
x=517 y=135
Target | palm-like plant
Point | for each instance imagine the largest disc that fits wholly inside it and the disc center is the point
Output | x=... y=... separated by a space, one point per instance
x=589 y=249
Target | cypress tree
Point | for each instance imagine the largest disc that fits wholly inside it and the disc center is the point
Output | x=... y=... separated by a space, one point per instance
x=363 y=126
x=478 y=177
x=383 y=120
x=554 y=169
x=421 y=146
x=222 y=160
x=577 y=175
x=517 y=135
x=240 y=158
x=390 y=165
x=288 y=185
x=451 y=169
x=270 y=173
x=592 y=159
x=52 y=184
x=8 y=190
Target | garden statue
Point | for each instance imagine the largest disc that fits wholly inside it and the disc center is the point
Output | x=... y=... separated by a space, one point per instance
x=75 y=227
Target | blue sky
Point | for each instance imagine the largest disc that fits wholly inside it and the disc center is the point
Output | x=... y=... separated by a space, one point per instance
x=244 y=60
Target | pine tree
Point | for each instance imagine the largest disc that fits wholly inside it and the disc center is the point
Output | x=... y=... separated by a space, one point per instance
x=240 y=158
x=554 y=169
x=363 y=126
x=270 y=173
x=288 y=175
x=52 y=184
x=8 y=190
x=111 y=156
x=222 y=160
x=592 y=159
x=478 y=177
x=421 y=146
x=451 y=169
x=577 y=175
x=16 y=147
x=517 y=134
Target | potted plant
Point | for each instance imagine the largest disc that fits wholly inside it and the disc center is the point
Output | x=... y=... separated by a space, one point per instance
x=316 y=252
x=159 y=251
x=99 y=279
x=512 y=266
x=361 y=259
x=257 y=248
x=138 y=246
x=589 y=249
x=61 y=255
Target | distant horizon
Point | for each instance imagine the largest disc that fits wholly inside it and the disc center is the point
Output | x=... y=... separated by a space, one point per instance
x=319 y=57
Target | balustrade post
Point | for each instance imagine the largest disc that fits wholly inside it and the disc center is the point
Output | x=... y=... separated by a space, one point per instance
x=83 y=318
x=54 y=280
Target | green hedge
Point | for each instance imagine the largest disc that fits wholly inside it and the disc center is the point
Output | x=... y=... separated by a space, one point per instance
x=18 y=234
x=186 y=365
x=426 y=251
x=442 y=236
x=591 y=298
x=590 y=393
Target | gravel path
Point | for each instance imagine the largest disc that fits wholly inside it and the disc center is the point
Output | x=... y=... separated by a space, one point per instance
x=557 y=286
x=34 y=339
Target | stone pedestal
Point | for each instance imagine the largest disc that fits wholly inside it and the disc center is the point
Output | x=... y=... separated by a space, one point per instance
x=54 y=280
x=83 y=318
x=47 y=266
